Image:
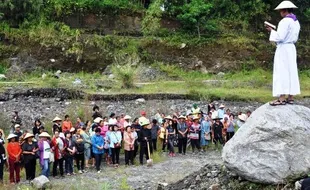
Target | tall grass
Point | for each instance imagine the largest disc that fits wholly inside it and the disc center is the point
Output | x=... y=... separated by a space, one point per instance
x=125 y=69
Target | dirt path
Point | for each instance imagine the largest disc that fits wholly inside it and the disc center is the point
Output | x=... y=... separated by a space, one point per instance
x=140 y=177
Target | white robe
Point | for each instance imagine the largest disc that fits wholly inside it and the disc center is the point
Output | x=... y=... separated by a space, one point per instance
x=285 y=73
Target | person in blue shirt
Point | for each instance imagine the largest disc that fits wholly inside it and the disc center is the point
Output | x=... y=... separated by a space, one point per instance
x=115 y=144
x=221 y=111
x=205 y=133
x=97 y=146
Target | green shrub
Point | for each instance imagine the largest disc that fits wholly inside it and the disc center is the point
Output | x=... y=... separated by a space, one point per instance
x=125 y=69
x=151 y=21
x=3 y=67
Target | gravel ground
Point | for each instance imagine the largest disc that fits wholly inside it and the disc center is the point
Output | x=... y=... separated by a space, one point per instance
x=169 y=171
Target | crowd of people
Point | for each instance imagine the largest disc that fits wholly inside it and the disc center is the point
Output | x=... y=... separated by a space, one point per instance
x=88 y=144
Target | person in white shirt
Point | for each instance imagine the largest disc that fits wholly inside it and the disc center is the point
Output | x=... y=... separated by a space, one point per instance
x=285 y=72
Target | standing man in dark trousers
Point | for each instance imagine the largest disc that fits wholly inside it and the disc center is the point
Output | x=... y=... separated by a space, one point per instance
x=145 y=139
x=182 y=135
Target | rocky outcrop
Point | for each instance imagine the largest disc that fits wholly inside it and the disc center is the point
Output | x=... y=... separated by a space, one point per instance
x=41 y=182
x=273 y=145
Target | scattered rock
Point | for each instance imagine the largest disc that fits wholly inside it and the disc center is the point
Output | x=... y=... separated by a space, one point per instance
x=77 y=82
x=57 y=99
x=150 y=74
x=221 y=74
x=2 y=77
x=53 y=60
x=162 y=186
x=198 y=178
x=44 y=76
x=57 y=74
x=276 y=145
x=107 y=70
x=15 y=72
x=140 y=101
x=297 y=185
x=215 y=187
x=111 y=76
x=183 y=45
x=41 y=182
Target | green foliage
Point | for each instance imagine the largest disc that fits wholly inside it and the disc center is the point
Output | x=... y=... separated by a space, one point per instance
x=195 y=14
x=151 y=21
x=3 y=66
x=124 y=184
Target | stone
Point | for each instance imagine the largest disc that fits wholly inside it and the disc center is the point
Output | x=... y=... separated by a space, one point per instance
x=183 y=45
x=215 y=186
x=198 y=178
x=140 y=101
x=272 y=146
x=209 y=175
x=53 y=60
x=162 y=186
x=44 y=76
x=221 y=74
x=41 y=182
x=297 y=185
x=57 y=74
x=111 y=76
x=214 y=173
x=2 y=77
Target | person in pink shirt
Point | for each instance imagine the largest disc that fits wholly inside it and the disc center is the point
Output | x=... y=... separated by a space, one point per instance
x=104 y=128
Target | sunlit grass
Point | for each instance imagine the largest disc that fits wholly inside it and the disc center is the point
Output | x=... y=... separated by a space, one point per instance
x=255 y=85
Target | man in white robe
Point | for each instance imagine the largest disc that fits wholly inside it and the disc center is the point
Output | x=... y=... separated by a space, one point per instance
x=285 y=72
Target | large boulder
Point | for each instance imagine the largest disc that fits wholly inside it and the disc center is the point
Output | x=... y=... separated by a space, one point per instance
x=272 y=146
x=41 y=182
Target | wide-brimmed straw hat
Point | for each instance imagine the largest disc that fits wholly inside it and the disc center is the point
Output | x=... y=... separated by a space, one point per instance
x=144 y=121
x=127 y=117
x=57 y=119
x=98 y=119
x=196 y=117
x=222 y=106
x=215 y=115
x=11 y=136
x=242 y=117
x=16 y=126
x=182 y=117
x=286 y=5
x=44 y=134
x=168 y=117
x=28 y=135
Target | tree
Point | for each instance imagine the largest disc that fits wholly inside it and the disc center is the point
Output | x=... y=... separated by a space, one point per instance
x=195 y=14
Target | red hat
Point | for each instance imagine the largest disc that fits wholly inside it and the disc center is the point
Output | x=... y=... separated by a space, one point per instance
x=143 y=113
